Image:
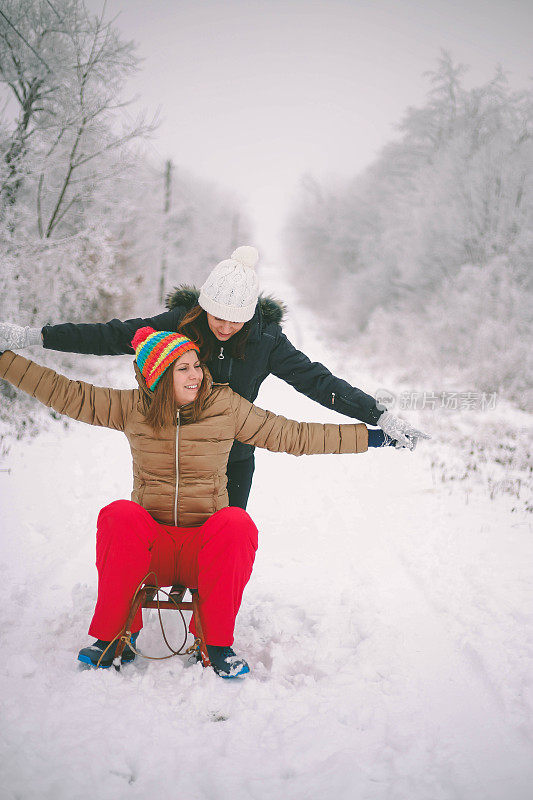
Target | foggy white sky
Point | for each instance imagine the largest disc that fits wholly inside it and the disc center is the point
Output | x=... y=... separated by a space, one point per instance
x=253 y=93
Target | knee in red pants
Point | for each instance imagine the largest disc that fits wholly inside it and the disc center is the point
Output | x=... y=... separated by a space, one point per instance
x=124 y=516
x=234 y=523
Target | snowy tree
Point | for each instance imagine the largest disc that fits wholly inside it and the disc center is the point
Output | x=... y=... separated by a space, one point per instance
x=82 y=222
x=65 y=69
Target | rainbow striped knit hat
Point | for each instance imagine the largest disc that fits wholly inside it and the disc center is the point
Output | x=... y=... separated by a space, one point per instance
x=157 y=350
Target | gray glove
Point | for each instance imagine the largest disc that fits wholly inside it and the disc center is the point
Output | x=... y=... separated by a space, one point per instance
x=402 y=431
x=15 y=337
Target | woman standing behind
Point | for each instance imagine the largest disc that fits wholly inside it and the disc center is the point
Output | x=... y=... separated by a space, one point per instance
x=178 y=524
x=241 y=340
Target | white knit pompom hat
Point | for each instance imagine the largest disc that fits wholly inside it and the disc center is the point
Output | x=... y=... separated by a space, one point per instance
x=231 y=290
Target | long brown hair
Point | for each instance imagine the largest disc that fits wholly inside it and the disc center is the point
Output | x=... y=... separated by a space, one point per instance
x=195 y=326
x=161 y=410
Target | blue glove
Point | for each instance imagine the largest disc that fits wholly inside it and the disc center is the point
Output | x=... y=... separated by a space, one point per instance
x=378 y=438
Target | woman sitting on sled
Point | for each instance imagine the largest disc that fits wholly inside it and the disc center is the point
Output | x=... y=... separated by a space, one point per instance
x=178 y=525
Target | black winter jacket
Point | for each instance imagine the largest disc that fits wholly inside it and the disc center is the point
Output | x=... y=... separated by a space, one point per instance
x=268 y=351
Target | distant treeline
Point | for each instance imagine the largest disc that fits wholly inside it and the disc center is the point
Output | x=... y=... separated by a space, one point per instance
x=426 y=258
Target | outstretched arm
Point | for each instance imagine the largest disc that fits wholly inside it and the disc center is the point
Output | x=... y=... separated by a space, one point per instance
x=105 y=339
x=101 y=338
x=76 y=399
x=273 y=432
x=318 y=383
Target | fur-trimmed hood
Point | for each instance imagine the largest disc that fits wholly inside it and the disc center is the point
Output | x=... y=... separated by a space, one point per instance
x=271 y=310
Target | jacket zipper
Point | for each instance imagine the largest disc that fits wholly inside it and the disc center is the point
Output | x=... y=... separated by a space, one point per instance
x=177 y=469
x=333 y=398
x=221 y=357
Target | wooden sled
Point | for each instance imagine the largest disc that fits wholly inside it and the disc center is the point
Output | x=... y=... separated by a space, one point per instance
x=146 y=597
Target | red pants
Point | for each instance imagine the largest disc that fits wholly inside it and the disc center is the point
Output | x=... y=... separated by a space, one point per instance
x=216 y=558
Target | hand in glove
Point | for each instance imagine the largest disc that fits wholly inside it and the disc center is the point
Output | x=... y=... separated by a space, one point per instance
x=15 y=337
x=400 y=430
x=378 y=438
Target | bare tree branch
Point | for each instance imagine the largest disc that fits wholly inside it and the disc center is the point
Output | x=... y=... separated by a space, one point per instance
x=25 y=41
x=68 y=99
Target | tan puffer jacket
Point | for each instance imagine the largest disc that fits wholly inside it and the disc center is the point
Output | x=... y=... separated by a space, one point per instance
x=197 y=452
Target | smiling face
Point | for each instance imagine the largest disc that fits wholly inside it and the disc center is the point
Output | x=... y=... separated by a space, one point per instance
x=187 y=377
x=222 y=328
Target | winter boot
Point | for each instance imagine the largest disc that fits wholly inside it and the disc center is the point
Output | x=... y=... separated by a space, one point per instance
x=90 y=655
x=226 y=663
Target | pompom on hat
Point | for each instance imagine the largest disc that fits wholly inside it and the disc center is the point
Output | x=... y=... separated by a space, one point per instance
x=155 y=351
x=232 y=288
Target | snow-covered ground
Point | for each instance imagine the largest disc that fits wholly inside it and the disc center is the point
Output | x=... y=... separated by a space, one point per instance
x=387 y=624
